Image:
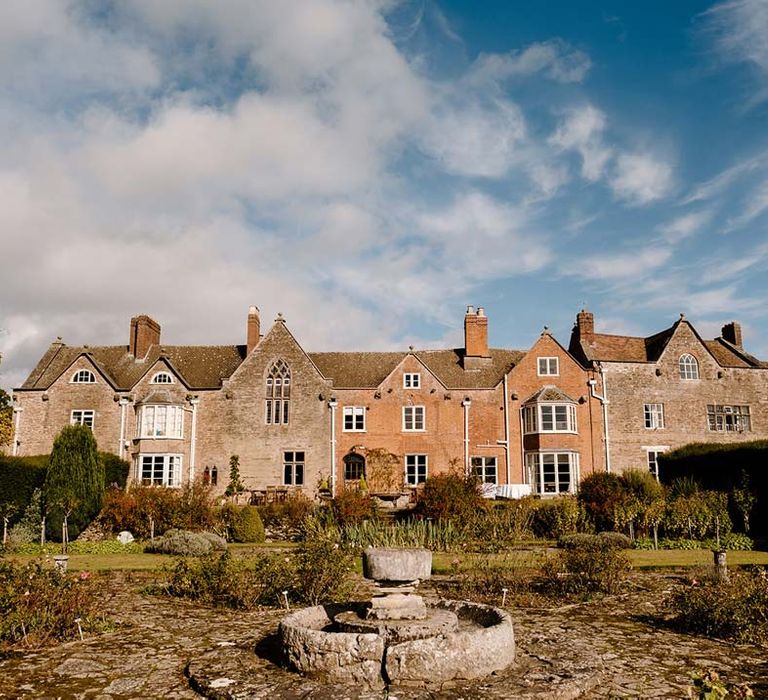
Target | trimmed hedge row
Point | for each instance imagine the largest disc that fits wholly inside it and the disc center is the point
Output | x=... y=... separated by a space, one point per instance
x=720 y=467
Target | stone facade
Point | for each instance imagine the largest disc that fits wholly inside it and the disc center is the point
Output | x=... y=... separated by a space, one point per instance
x=654 y=406
x=302 y=421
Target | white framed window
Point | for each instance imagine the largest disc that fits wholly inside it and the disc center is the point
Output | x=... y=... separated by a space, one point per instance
x=688 y=366
x=415 y=469
x=82 y=417
x=728 y=419
x=652 y=458
x=161 y=421
x=162 y=378
x=553 y=472
x=293 y=468
x=278 y=391
x=412 y=380
x=654 y=415
x=413 y=418
x=83 y=376
x=548 y=366
x=159 y=469
x=549 y=418
x=484 y=468
x=354 y=419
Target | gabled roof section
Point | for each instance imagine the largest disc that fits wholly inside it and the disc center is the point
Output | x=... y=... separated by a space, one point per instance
x=367 y=370
x=549 y=392
x=603 y=347
x=199 y=366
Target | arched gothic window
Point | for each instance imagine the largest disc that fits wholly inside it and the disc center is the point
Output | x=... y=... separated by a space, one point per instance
x=689 y=367
x=278 y=392
x=354 y=467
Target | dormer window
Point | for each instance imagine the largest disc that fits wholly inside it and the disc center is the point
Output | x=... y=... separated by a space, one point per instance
x=83 y=376
x=162 y=378
x=689 y=367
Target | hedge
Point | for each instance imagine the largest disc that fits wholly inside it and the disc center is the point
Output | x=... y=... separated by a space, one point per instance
x=719 y=466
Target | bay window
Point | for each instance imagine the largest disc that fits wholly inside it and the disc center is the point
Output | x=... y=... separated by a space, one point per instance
x=553 y=472
x=161 y=421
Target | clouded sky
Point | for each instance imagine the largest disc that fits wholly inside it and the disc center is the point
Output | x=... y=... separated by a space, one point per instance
x=370 y=168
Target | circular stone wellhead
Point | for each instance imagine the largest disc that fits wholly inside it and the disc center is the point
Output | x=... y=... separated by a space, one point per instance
x=397 y=565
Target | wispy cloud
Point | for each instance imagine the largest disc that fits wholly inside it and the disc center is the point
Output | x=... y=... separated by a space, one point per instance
x=685 y=226
x=641 y=178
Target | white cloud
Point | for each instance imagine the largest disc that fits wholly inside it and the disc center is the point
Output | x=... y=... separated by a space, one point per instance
x=554 y=59
x=754 y=206
x=623 y=267
x=582 y=130
x=685 y=226
x=740 y=31
x=640 y=178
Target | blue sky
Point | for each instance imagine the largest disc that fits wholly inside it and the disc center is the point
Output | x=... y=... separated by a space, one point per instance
x=370 y=168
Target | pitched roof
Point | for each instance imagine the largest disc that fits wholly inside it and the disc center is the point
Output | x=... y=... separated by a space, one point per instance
x=199 y=366
x=550 y=392
x=603 y=347
x=359 y=370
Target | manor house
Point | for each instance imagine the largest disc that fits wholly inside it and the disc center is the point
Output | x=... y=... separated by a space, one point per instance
x=534 y=421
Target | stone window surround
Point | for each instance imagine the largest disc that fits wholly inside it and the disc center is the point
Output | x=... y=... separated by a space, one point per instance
x=729 y=418
x=294 y=467
x=278 y=393
x=162 y=378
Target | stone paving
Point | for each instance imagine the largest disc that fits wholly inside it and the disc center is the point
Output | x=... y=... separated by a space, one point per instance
x=607 y=649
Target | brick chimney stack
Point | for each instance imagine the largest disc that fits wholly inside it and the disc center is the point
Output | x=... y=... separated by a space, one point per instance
x=585 y=322
x=732 y=333
x=254 y=328
x=476 y=333
x=145 y=332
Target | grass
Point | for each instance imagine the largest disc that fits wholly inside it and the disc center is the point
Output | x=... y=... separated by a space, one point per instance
x=442 y=562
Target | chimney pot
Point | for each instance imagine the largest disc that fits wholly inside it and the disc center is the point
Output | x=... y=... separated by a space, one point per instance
x=585 y=323
x=480 y=311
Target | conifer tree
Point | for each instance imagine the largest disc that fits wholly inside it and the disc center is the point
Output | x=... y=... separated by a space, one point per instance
x=74 y=484
x=235 y=484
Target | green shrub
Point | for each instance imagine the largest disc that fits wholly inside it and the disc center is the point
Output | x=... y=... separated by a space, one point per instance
x=246 y=525
x=39 y=605
x=667 y=543
x=450 y=497
x=323 y=569
x=554 y=517
x=186 y=543
x=595 y=565
x=644 y=543
x=601 y=494
x=79 y=547
x=492 y=580
x=20 y=477
x=28 y=528
x=736 y=541
x=116 y=470
x=147 y=510
x=285 y=519
x=735 y=609
x=353 y=506
x=74 y=482
x=698 y=515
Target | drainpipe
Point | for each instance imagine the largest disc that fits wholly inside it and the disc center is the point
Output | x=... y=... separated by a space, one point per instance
x=121 y=445
x=333 y=404
x=604 y=401
x=466 y=403
x=193 y=440
x=526 y=479
x=16 y=440
x=507 y=462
